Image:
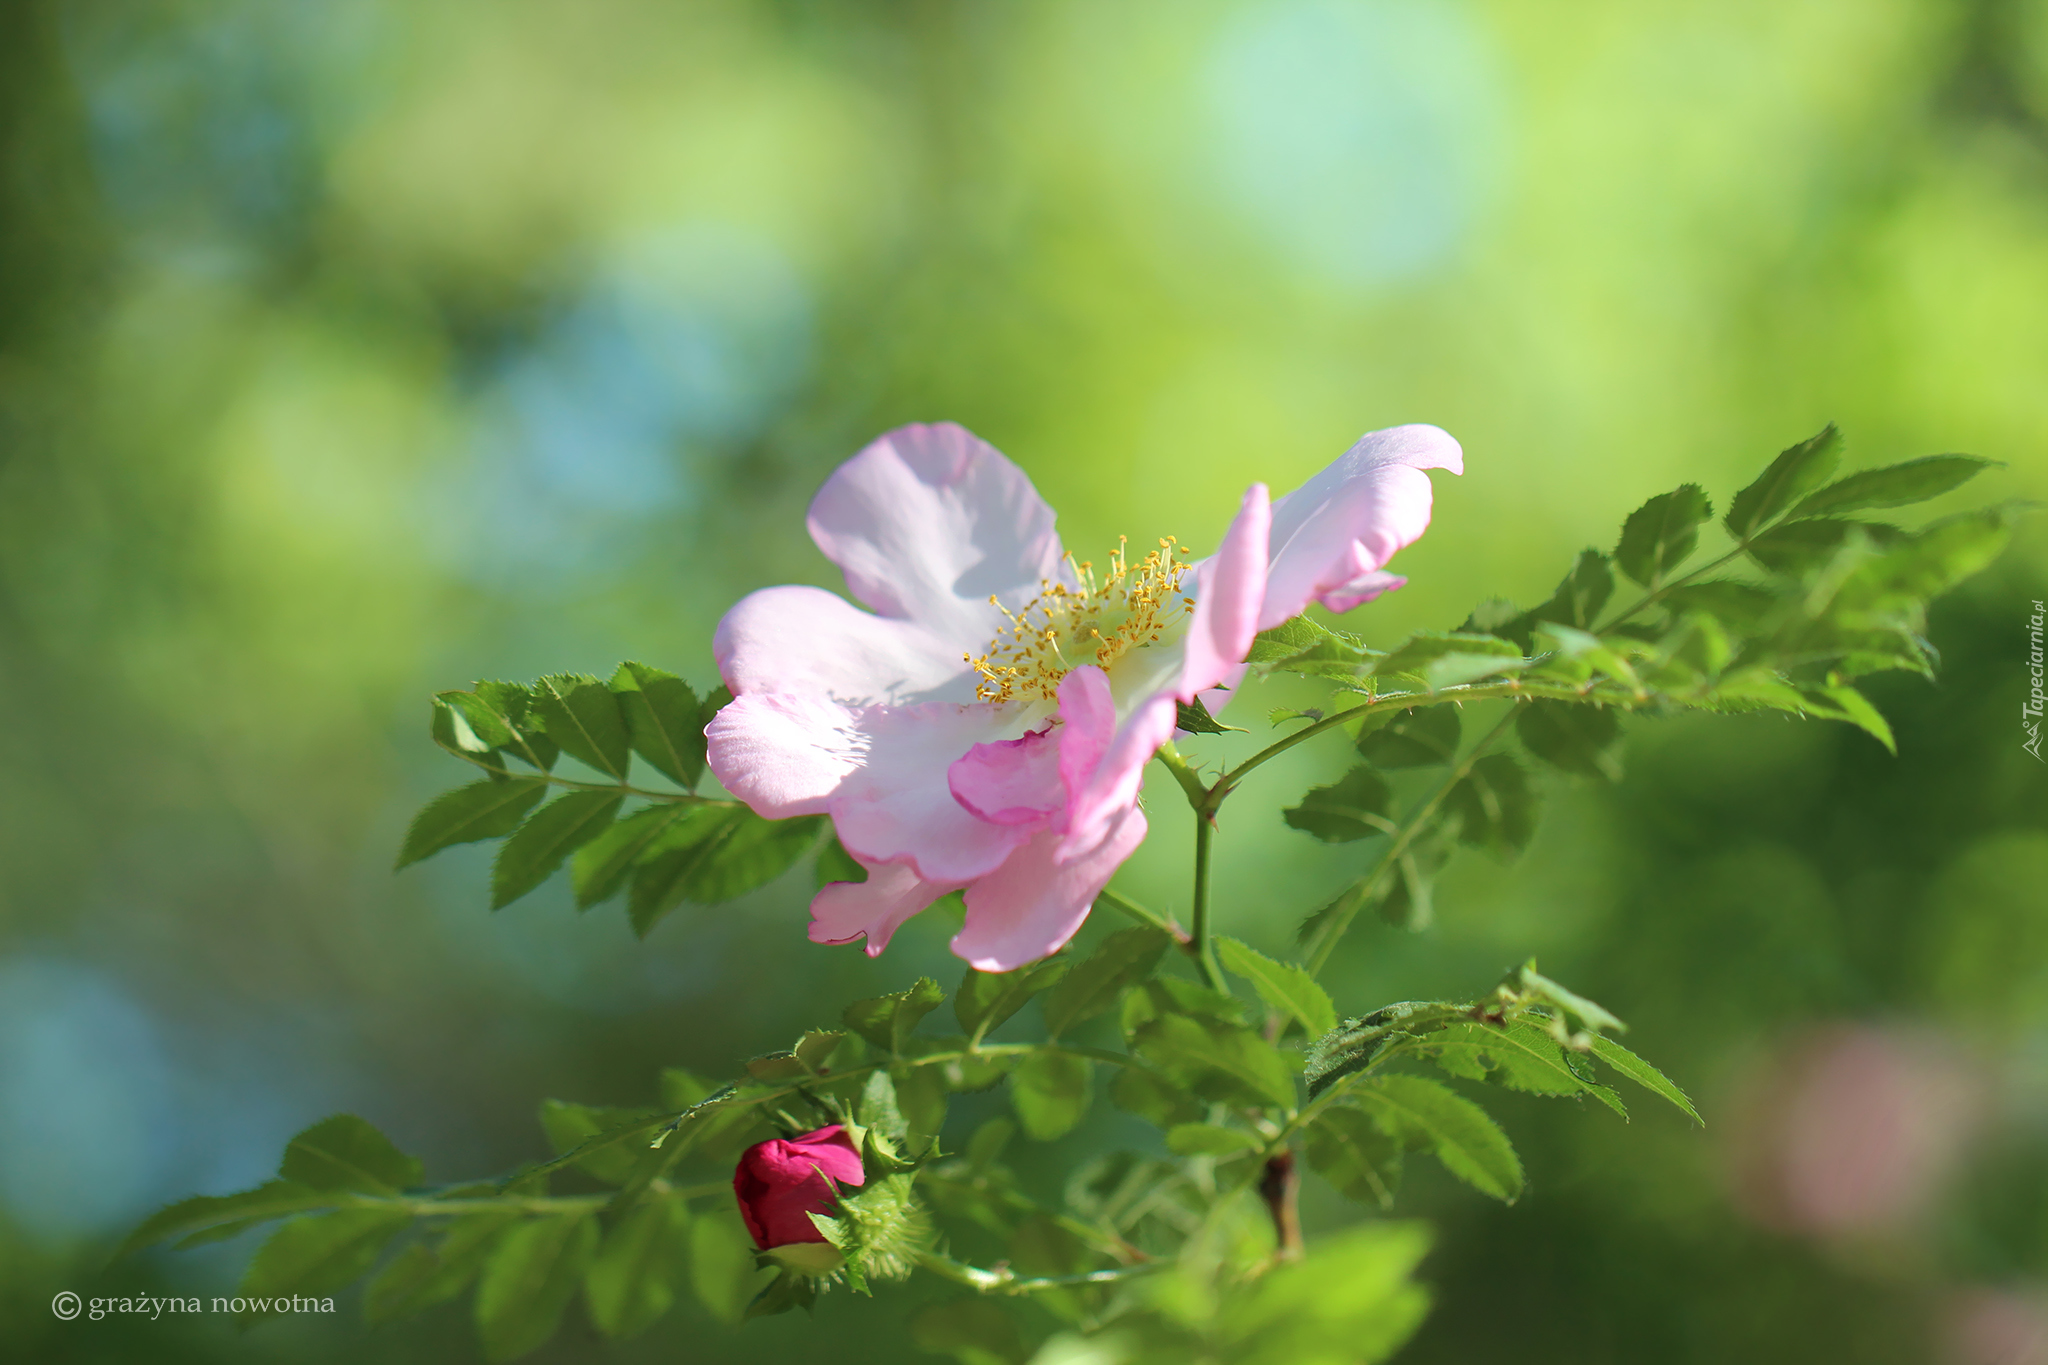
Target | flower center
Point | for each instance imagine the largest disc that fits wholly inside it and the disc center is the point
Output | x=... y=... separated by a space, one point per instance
x=1129 y=607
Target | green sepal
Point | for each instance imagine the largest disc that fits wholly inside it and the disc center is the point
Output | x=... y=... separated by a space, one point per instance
x=1194 y=718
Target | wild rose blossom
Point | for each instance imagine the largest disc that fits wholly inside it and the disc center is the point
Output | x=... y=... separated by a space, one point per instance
x=985 y=725
x=782 y=1181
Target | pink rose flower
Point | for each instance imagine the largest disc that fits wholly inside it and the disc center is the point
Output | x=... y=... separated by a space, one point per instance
x=985 y=725
x=783 y=1181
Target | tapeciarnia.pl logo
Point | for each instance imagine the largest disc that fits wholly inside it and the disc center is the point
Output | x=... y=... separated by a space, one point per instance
x=2030 y=710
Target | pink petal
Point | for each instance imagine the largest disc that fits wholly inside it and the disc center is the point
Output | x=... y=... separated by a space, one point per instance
x=796 y=639
x=928 y=521
x=875 y=908
x=1032 y=905
x=832 y=1151
x=1230 y=587
x=1112 y=788
x=1362 y=589
x=1330 y=535
x=878 y=771
x=1087 y=726
x=898 y=805
x=784 y=754
x=1010 y=781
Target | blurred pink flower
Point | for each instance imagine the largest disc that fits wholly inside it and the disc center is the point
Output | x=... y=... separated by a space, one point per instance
x=986 y=724
x=1851 y=1130
x=1996 y=1327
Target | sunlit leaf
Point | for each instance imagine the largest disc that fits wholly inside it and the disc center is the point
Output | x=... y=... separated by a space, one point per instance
x=1794 y=474
x=1456 y=1131
x=1662 y=533
x=481 y=810
x=1893 y=485
x=1282 y=985
x=546 y=840
x=664 y=720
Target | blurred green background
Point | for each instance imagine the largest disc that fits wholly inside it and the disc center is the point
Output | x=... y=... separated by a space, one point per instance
x=353 y=350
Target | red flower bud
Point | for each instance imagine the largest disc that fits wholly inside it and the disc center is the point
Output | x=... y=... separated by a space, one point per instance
x=781 y=1182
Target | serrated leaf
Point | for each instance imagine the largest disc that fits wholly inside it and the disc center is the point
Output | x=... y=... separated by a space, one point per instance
x=888 y=1020
x=921 y=1095
x=1519 y=1056
x=1420 y=738
x=529 y=1279
x=1581 y=594
x=583 y=716
x=722 y=1269
x=1796 y=472
x=1742 y=607
x=713 y=857
x=1194 y=718
x=1286 y=640
x=1456 y=1131
x=482 y=810
x=1444 y=658
x=546 y=840
x=1798 y=546
x=1494 y=805
x=1353 y=807
x=573 y=1128
x=193 y=1219
x=1092 y=986
x=599 y=869
x=347 y=1153
x=1662 y=533
x=1353 y=1153
x=1895 y=485
x=985 y=999
x=1217 y=1061
x=478 y=725
x=421 y=1276
x=1357 y=1044
x=1643 y=1074
x=317 y=1254
x=1170 y=995
x=1935 y=558
x=1283 y=986
x=1051 y=1091
x=664 y=721
x=633 y=1281
x=1573 y=736
x=1846 y=703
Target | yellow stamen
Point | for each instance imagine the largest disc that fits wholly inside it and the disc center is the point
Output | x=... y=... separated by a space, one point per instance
x=1131 y=606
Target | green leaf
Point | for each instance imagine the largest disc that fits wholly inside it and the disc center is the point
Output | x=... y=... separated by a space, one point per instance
x=482 y=810
x=554 y=831
x=528 y=1281
x=664 y=721
x=318 y=1254
x=633 y=1281
x=599 y=870
x=1494 y=805
x=1217 y=1061
x=1420 y=738
x=1092 y=986
x=1794 y=474
x=1519 y=1056
x=1170 y=995
x=1581 y=594
x=347 y=1153
x=1798 y=546
x=1353 y=1153
x=1208 y=1139
x=1576 y=654
x=1535 y=987
x=1935 y=558
x=1282 y=985
x=1643 y=1074
x=722 y=1269
x=1660 y=534
x=478 y=726
x=572 y=1128
x=1193 y=717
x=1286 y=640
x=1742 y=607
x=1351 y=1301
x=583 y=716
x=1846 y=703
x=1050 y=1092
x=985 y=999
x=209 y=1217
x=1445 y=658
x=421 y=1276
x=1458 y=1132
x=1573 y=736
x=1359 y=1043
x=715 y=854
x=921 y=1095
x=1894 y=485
x=888 y=1020
x=1153 y=1098
x=1353 y=807
x=835 y=864
x=513 y=704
